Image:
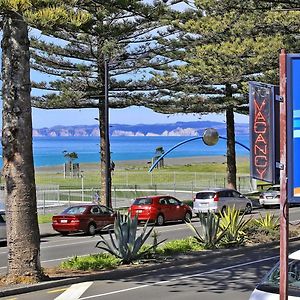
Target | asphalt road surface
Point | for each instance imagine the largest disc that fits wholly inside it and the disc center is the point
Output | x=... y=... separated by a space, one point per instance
x=56 y=249
x=232 y=275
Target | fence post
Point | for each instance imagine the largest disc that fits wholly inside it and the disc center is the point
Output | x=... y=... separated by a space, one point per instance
x=115 y=196
x=44 y=203
x=58 y=195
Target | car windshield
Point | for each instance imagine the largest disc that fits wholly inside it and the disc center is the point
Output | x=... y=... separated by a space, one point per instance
x=76 y=210
x=272 y=279
x=273 y=189
x=142 y=201
x=205 y=195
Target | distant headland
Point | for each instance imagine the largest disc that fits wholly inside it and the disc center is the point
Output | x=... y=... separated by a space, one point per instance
x=195 y=128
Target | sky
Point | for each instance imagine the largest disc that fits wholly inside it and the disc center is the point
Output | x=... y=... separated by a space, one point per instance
x=131 y=115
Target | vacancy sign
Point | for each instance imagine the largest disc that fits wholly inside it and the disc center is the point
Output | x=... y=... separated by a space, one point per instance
x=293 y=126
x=262 y=132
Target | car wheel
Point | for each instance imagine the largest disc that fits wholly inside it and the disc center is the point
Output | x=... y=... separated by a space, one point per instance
x=187 y=216
x=160 y=220
x=64 y=233
x=91 y=230
x=248 y=208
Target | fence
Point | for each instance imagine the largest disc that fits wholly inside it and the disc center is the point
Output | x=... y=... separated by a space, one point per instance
x=129 y=185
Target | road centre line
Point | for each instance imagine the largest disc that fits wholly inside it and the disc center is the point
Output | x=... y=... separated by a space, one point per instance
x=179 y=278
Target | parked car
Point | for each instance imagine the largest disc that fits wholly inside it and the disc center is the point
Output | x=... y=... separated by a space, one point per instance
x=160 y=209
x=2 y=226
x=268 y=288
x=217 y=200
x=88 y=218
x=271 y=196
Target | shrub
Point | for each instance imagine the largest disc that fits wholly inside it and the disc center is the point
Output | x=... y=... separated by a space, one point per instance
x=209 y=234
x=268 y=222
x=235 y=225
x=101 y=261
x=125 y=245
x=179 y=246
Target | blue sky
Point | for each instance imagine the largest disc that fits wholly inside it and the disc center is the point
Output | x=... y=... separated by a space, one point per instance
x=132 y=115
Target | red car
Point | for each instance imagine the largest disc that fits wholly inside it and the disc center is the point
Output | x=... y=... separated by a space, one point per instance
x=88 y=218
x=160 y=209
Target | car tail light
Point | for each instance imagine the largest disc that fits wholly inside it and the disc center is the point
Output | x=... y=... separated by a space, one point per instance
x=74 y=221
x=54 y=220
x=216 y=198
x=194 y=199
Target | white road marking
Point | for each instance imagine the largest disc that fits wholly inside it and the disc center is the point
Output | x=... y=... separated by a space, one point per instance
x=74 y=291
x=178 y=278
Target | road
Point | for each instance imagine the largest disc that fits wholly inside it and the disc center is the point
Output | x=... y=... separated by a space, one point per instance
x=56 y=249
x=221 y=278
x=232 y=275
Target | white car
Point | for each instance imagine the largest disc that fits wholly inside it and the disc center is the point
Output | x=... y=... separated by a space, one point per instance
x=217 y=200
x=271 y=196
x=2 y=226
x=268 y=288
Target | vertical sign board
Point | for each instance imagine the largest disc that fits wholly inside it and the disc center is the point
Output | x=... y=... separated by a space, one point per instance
x=293 y=127
x=263 y=148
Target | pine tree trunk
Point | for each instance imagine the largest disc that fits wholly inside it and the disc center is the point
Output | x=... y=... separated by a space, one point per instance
x=103 y=142
x=23 y=237
x=102 y=128
x=231 y=157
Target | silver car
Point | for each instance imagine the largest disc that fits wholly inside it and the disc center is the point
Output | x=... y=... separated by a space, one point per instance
x=271 y=196
x=218 y=200
x=2 y=226
x=268 y=288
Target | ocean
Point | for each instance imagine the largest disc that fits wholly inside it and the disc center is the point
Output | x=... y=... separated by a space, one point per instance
x=48 y=151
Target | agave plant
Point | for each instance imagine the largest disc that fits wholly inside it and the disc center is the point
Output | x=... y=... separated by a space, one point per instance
x=209 y=234
x=268 y=222
x=235 y=224
x=125 y=244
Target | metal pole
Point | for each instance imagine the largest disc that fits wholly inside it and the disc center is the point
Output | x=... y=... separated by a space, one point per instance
x=107 y=144
x=284 y=208
x=82 y=189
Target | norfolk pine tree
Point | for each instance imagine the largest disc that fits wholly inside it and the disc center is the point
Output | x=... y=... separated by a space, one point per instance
x=23 y=238
x=122 y=32
x=225 y=47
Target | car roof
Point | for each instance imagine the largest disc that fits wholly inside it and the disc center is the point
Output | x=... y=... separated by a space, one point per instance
x=154 y=196
x=216 y=190
x=295 y=255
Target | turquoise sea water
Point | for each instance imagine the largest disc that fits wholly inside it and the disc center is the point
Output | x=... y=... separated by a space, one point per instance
x=48 y=151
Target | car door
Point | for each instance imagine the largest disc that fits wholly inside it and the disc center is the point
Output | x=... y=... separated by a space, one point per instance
x=107 y=215
x=96 y=216
x=239 y=199
x=175 y=209
x=225 y=199
x=165 y=208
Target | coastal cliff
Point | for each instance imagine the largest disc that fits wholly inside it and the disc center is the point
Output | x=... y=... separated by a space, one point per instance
x=172 y=129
